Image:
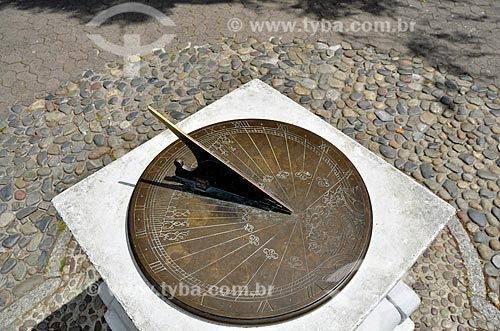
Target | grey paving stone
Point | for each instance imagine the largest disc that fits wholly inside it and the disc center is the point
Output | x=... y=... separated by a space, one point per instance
x=477 y=217
x=11 y=240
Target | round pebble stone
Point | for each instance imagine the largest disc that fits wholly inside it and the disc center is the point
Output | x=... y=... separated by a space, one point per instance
x=495 y=260
x=6 y=218
x=492 y=231
x=19 y=195
x=485 y=252
x=477 y=217
x=495 y=244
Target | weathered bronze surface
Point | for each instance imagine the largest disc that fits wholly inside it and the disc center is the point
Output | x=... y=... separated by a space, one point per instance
x=231 y=262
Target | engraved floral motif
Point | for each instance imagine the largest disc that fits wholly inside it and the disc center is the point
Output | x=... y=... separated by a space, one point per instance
x=253 y=240
x=345 y=196
x=318 y=230
x=225 y=140
x=245 y=213
x=303 y=175
x=267 y=179
x=314 y=246
x=170 y=222
x=173 y=212
x=174 y=224
x=322 y=182
x=174 y=235
x=320 y=240
x=270 y=253
x=294 y=262
x=223 y=145
x=248 y=227
x=181 y=195
x=282 y=174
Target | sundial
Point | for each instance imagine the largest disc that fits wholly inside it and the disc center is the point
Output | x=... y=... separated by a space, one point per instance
x=255 y=220
x=302 y=232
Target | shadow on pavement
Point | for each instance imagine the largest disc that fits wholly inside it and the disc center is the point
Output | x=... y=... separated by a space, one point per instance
x=447 y=32
x=84 y=312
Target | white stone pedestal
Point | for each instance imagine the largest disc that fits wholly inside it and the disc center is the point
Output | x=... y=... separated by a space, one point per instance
x=391 y=314
x=406 y=218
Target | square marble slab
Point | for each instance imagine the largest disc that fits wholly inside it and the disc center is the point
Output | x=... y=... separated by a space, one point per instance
x=406 y=218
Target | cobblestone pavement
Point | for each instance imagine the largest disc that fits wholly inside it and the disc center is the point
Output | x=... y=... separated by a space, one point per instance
x=440 y=280
x=44 y=42
x=84 y=312
x=439 y=128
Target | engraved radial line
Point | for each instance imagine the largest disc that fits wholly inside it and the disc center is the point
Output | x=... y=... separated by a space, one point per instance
x=191 y=218
x=244 y=150
x=222 y=243
x=331 y=170
x=304 y=157
x=253 y=276
x=272 y=150
x=327 y=176
x=246 y=259
x=203 y=237
x=246 y=165
x=283 y=256
x=290 y=162
x=315 y=171
x=204 y=203
x=333 y=186
x=231 y=208
x=211 y=210
x=304 y=245
x=277 y=162
x=267 y=164
x=152 y=227
x=205 y=226
x=220 y=258
x=344 y=178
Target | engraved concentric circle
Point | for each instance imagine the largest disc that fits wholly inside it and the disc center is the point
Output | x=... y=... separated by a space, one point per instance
x=238 y=264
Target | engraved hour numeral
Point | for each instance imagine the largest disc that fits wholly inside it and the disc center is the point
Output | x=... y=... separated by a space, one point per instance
x=156 y=266
x=283 y=127
x=323 y=147
x=241 y=124
x=264 y=306
x=140 y=234
x=313 y=290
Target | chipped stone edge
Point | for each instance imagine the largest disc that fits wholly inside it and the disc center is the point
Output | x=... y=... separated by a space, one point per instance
x=58 y=251
x=477 y=285
x=42 y=291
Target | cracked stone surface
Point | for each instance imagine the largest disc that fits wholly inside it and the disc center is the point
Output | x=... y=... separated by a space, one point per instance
x=439 y=128
x=43 y=43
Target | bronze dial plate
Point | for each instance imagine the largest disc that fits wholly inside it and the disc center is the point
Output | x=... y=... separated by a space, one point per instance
x=234 y=263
